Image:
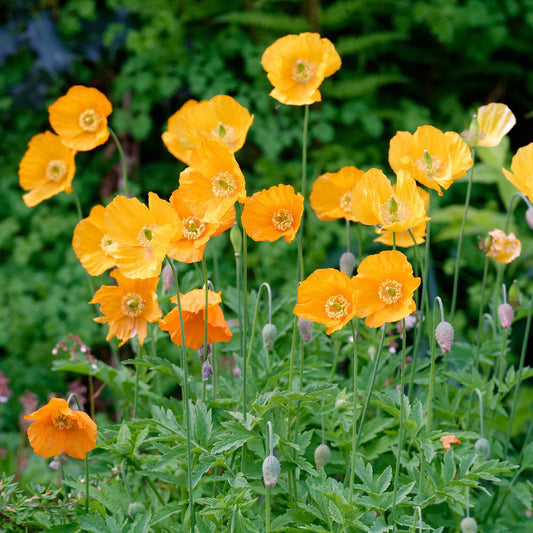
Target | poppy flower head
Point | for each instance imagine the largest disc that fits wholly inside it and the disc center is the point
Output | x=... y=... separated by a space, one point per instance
x=274 y=213
x=46 y=169
x=494 y=122
x=386 y=285
x=504 y=248
x=80 y=118
x=56 y=428
x=221 y=118
x=327 y=296
x=448 y=440
x=521 y=174
x=331 y=196
x=296 y=65
x=193 y=313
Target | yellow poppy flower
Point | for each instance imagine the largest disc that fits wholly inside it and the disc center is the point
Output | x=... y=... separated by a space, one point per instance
x=296 y=65
x=46 y=169
x=521 y=174
x=504 y=248
x=495 y=121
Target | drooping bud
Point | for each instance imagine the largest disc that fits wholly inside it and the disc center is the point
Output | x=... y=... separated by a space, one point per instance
x=201 y=353
x=468 y=525
x=270 y=333
x=136 y=508
x=347 y=263
x=322 y=455
x=506 y=315
x=482 y=446
x=271 y=470
x=529 y=217
x=235 y=236
x=206 y=370
x=168 y=277
x=305 y=327
x=444 y=335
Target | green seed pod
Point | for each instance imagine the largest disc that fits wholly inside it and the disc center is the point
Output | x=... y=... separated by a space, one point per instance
x=136 y=508
x=271 y=470
x=235 y=236
x=322 y=455
x=482 y=446
x=347 y=263
x=514 y=295
x=305 y=327
x=444 y=335
x=270 y=333
x=468 y=525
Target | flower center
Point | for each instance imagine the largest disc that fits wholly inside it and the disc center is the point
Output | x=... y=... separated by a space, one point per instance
x=132 y=304
x=302 y=71
x=193 y=228
x=225 y=133
x=61 y=421
x=107 y=245
x=390 y=291
x=430 y=165
x=282 y=219
x=392 y=211
x=56 y=170
x=337 y=306
x=345 y=202
x=89 y=120
x=223 y=184
x=145 y=235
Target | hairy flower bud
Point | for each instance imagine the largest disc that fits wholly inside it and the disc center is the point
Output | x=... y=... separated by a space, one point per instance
x=235 y=236
x=347 y=263
x=468 y=525
x=529 y=217
x=270 y=333
x=136 y=508
x=168 y=277
x=305 y=327
x=322 y=455
x=444 y=335
x=482 y=446
x=271 y=470
x=506 y=315
x=206 y=370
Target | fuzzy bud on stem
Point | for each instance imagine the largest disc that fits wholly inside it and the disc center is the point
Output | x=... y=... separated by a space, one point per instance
x=322 y=455
x=305 y=327
x=506 y=315
x=468 y=525
x=235 y=236
x=482 y=446
x=444 y=335
x=347 y=263
x=270 y=333
x=168 y=277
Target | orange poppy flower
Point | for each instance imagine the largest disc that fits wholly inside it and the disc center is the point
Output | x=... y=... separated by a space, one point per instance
x=127 y=307
x=56 y=428
x=327 y=296
x=91 y=244
x=46 y=169
x=213 y=182
x=331 y=197
x=504 y=248
x=396 y=207
x=521 y=174
x=80 y=118
x=435 y=159
x=189 y=242
x=193 y=312
x=296 y=65
x=494 y=121
x=141 y=235
x=448 y=440
x=386 y=285
x=221 y=118
x=274 y=213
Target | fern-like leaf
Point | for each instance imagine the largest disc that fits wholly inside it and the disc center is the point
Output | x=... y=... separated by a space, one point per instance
x=352 y=45
x=340 y=14
x=345 y=89
x=278 y=22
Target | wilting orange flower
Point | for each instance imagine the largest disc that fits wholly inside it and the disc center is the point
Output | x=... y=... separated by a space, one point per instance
x=329 y=297
x=80 y=118
x=386 y=285
x=189 y=242
x=274 y=213
x=127 y=307
x=494 y=121
x=141 y=235
x=521 y=175
x=504 y=248
x=394 y=208
x=448 y=440
x=193 y=312
x=331 y=197
x=296 y=65
x=56 y=428
x=91 y=245
x=213 y=182
x=433 y=158
x=46 y=169
x=221 y=118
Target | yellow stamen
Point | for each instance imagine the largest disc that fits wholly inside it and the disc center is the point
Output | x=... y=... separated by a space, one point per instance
x=132 y=304
x=193 y=228
x=337 y=306
x=283 y=219
x=302 y=71
x=56 y=170
x=390 y=291
x=224 y=184
x=146 y=234
x=429 y=165
x=61 y=420
x=107 y=245
x=346 y=202
x=90 y=120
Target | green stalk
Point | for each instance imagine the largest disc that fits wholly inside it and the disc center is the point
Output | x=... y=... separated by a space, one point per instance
x=347 y=235
x=481 y=306
x=87 y=483
x=334 y=366
x=206 y=308
x=304 y=151
x=354 y=409
x=63 y=476
x=136 y=391
x=481 y=417
x=122 y=161
x=360 y=243
x=431 y=375
x=460 y=241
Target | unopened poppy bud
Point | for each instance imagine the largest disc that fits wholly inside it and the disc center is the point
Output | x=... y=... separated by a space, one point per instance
x=322 y=455
x=506 y=315
x=136 y=508
x=468 y=525
x=168 y=277
x=206 y=370
x=236 y=371
x=474 y=124
x=270 y=333
x=201 y=352
x=340 y=403
x=482 y=446
x=514 y=295
x=347 y=263
x=235 y=236
x=529 y=217
x=305 y=327
x=271 y=470
x=444 y=335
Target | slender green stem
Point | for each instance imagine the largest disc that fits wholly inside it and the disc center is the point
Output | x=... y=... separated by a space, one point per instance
x=503 y=354
x=348 y=243
x=63 y=476
x=335 y=361
x=78 y=203
x=354 y=409
x=136 y=390
x=87 y=483
x=91 y=393
x=122 y=161
x=304 y=151
x=460 y=241
x=394 y=240
x=266 y=286
x=184 y=364
x=300 y=257
x=267 y=509
x=300 y=382
x=481 y=306
x=206 y=309
x=400 y=436
x=360 y=242
x=433 y=341
x=481 y=418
